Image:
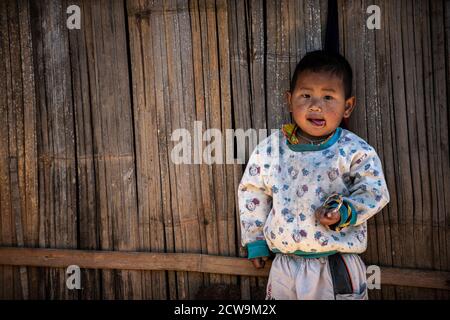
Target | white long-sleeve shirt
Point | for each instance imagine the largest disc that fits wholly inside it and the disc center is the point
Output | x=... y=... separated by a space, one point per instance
x=284 y=183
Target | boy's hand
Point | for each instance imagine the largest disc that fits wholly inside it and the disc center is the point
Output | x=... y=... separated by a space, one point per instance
x=259 y=262
x=328 y=217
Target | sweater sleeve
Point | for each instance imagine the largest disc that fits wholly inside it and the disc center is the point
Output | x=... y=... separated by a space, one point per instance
x=255 y=203
x=367 y=186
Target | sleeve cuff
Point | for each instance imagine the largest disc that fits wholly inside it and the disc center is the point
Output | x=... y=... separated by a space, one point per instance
x=257 y=249
x=354 y=215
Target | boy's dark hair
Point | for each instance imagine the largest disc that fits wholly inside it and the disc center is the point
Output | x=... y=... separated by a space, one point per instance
x=325 y=61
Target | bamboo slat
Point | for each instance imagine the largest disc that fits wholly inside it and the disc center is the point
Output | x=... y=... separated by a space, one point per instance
x=148 y=166
x=18 y=154
x=89 y=235
x=57 y=218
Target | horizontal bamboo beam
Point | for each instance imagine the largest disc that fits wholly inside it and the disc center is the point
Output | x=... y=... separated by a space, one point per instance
x=90 y=259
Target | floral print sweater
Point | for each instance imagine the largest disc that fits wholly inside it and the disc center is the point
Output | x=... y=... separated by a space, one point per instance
x=284 y=183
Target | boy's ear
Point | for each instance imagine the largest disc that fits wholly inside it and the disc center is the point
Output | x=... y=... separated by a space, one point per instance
x=288 y=97
x=350 y=104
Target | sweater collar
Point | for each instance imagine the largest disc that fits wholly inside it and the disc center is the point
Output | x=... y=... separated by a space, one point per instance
x=292 y=141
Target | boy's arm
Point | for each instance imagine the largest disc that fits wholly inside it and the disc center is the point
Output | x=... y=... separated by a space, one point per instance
x=368 y=190
x=255 y=203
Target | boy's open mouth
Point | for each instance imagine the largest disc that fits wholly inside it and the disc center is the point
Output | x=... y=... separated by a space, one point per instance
x=317 y=122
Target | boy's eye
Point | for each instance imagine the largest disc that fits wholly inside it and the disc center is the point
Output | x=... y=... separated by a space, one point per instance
x=328 y=97
x=304 y=95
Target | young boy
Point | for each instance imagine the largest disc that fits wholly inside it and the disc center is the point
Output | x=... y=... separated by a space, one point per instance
x=309 y=189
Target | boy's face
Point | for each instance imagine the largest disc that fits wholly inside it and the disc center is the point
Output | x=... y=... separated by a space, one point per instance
x=318 y=103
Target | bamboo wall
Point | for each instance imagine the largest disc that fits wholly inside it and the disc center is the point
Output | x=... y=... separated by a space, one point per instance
x=401 y=81
x=87 y=115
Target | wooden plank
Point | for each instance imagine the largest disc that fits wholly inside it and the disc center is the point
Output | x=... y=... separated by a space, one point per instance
x=186 y=262
x=415 y=278
x=61 y=258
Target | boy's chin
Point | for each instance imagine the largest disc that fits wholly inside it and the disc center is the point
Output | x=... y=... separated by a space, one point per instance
x=318 y=132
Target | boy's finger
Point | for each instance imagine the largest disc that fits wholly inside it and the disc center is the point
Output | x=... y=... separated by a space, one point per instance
x=332 y=216
x=325 y=222
x=320 y=212
x=258 y=263
x=332 y=220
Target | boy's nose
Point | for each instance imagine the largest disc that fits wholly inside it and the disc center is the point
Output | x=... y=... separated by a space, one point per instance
x=315 y=106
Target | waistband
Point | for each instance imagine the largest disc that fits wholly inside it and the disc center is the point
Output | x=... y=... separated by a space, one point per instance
x=306 y=254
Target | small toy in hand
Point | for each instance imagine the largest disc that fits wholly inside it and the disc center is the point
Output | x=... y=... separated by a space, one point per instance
x=329 y=213
x=334 y=201
x=331 y=207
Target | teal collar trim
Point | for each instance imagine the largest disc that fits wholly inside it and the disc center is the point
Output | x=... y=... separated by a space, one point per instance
x=312 y=147
x=305 y=254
